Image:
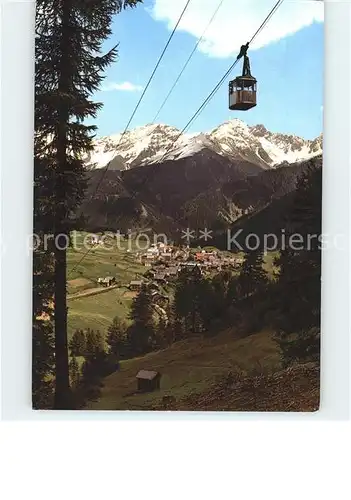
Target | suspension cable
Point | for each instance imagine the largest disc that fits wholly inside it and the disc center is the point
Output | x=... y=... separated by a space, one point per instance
x=143 y=94
x=188 y=61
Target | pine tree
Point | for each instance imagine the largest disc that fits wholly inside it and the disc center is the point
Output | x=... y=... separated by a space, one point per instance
x=94 y=343
x=253 y=277
x=181 y=303
x=218 y=296
x=42 y=365
x=233 y=291
x=142 y=331
x=74 y=371
x=192 y=301
x=77 y=343
x=163 y=333
x=69 y=69
x=298 y=291
x=117 y=338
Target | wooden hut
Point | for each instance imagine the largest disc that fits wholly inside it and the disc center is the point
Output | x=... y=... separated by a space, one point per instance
x=148 y=381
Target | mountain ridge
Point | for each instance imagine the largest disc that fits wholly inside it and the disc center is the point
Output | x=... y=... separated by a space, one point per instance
x=204 y=189
x=235 y=140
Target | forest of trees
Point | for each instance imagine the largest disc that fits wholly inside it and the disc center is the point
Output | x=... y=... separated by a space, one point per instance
x=69 y=69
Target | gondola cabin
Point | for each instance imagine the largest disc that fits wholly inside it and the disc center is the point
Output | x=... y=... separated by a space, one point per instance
x=243 y=90
x=242 y=93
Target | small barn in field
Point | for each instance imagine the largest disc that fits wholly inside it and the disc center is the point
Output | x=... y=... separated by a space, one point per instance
x=148 y=381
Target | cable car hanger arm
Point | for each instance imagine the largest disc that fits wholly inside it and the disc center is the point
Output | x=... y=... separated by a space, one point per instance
x=243 y=51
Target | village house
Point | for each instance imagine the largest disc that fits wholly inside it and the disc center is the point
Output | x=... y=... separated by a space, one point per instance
x=204 y=256
x=151 y=257
x=153 y=250
x=94 y=239
x=154 y=286
x=160 y=277
x=148 y=381
x=150 y=274
x=108 y=281
x=172 y=272
x=166 y=256
x=189 y=265
x=200 y=257
x=180 y=255
x=135 y=286
x=161 y=246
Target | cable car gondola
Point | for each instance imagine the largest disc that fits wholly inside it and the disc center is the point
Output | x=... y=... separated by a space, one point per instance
x=242 y=90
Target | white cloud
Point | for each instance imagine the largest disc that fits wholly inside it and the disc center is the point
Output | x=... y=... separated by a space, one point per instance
x=237 y=21
x=124 y=87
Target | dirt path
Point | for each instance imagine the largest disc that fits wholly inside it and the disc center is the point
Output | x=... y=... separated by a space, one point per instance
x=91 y=291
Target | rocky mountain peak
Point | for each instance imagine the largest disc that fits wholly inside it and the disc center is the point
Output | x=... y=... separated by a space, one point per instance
x=234 y=139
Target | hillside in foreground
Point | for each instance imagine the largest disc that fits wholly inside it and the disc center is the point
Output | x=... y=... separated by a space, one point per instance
x=223 y=373
x=295 y=389
x=188 y=367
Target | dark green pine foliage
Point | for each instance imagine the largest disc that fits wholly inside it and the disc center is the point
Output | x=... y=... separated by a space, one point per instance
x=141 y=333
x=192 y=302
x=233 y=291
x=69 y=69
x=42 y=334
x=74 y=371
x=43 y=342
x=162 y=334
x=253 y=278
x=94 y=343
x=219 y=300
x=77 y=343
x=117 y=338
x=298 y=294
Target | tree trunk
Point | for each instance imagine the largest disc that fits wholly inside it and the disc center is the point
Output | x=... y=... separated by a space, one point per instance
x=62 y=387
x=63 y=400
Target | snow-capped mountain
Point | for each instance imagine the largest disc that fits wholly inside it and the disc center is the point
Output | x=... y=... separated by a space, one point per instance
x=260 y=146
x=233 y=139
x=137 y=147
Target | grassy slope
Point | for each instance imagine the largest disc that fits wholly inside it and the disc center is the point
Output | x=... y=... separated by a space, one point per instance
x=98 y=311
x=187 y=367
x=294 y=389
x=100 y=262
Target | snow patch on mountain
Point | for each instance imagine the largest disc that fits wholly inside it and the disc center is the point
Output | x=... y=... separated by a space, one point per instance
x=257 y=143
x=135 y=147
x=234 y=139
x=189 y=147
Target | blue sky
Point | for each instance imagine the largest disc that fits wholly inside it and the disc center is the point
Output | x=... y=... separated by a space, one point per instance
x=289 y=70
